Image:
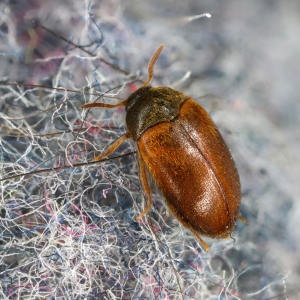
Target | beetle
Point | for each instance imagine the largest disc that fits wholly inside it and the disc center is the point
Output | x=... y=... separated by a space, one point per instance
x=181 y=147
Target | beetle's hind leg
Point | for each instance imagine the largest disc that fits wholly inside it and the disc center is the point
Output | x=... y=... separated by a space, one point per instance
x=203 y=244
x=114 y=146
x=145 y=186
x=242 y=219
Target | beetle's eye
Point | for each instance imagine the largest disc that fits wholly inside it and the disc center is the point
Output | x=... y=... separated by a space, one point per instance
x=160 y=103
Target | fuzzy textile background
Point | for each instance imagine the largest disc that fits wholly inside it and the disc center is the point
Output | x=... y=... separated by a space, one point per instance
x=70 y=231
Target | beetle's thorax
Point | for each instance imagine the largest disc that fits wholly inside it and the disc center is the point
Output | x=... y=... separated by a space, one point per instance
x=151 y=105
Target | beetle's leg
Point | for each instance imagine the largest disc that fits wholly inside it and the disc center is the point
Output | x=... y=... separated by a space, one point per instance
x=103 y=105
x=242 y=219
x=114 y=146
x=145 y=186
x=204 y=245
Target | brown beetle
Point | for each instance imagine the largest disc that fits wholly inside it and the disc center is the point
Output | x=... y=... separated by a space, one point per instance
x=185 y=154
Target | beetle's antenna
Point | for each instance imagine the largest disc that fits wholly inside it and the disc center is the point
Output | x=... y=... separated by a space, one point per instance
x=152 y=64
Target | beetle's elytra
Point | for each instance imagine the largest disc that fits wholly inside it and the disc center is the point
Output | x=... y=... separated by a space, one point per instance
x=185 y=154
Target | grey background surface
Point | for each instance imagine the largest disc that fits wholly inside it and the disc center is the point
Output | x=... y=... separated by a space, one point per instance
x=245 y=60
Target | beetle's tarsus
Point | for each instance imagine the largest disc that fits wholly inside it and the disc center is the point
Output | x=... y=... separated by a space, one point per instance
x=203 y=244
x=242 y=219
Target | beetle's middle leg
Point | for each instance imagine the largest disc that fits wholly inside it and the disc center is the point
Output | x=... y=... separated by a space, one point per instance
x=145 y=185
x=114 y=146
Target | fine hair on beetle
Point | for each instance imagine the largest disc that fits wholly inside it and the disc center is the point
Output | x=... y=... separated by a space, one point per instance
x=180 y=146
